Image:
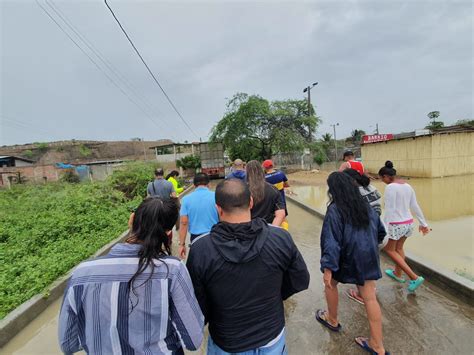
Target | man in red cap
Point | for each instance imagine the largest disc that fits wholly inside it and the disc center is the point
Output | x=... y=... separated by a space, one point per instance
x=278 y=179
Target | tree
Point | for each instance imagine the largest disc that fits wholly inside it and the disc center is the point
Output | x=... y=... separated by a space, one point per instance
x=356 y=135
x=254 y=128
x=433 y=115
x=189 y=162
x=465 y=122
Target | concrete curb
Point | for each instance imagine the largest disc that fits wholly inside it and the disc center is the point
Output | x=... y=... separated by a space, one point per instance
x=21 y=316
x=447 y=280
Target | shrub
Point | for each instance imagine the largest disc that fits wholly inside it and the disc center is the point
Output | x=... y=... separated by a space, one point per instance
x=133 y=178
x=42 y=147
x=28 y=154
x=70 y=176
x=189 y=162
x=84 y=151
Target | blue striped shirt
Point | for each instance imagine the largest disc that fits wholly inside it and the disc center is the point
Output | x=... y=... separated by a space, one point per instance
x=101 y=315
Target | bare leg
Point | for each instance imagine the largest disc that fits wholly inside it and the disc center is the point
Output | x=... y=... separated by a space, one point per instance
x=399 y=249
x=391 y=251
x=332 y=299
x=374 y=315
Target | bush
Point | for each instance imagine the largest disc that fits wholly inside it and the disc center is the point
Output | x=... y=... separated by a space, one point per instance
x=84 y=151
x=45 y=230
x=319 y=158
x=70 y=176
x=28 y=154
x=42 y=147
x=133 y=178
x=189 y=162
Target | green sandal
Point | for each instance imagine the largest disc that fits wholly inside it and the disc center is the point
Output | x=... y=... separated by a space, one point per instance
x=391 y=273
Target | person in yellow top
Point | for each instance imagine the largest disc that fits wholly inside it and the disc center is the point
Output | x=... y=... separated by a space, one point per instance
x=171 y=177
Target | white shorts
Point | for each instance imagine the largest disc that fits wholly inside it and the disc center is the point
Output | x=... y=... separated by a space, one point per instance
x=397 y=231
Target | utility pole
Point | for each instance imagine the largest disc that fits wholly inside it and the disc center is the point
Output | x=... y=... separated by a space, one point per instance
x=335 y=141
x=308 y=90
x=377 y=128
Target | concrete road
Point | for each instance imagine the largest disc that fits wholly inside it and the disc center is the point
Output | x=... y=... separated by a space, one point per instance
x=428 y=322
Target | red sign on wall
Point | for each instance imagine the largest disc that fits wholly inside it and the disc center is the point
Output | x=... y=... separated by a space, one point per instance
x=372 y=138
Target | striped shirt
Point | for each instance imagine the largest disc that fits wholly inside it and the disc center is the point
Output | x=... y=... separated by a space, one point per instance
x=101 y=315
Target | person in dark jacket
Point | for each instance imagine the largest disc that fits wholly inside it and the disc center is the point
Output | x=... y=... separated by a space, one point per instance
x=238 y=170
x=350 y=236
x=241 y=272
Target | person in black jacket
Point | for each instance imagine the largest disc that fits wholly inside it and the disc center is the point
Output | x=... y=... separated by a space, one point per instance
x=350 y=236
x=241 y=272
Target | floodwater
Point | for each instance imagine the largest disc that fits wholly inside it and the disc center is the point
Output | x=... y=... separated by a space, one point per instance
x=428 y=322
x=447 y=204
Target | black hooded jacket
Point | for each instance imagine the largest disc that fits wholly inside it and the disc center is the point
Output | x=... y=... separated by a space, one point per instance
x=241 y=274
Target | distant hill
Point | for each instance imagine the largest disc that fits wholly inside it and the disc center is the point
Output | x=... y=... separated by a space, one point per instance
x=76 y=151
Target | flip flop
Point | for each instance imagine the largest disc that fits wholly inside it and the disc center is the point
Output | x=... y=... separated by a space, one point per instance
x=320 y=313
x=365 y=345
x=351 y=294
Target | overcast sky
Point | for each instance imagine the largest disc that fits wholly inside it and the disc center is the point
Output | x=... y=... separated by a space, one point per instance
x=385 y=62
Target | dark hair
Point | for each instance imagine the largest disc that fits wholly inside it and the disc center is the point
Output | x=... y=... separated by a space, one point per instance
x=348 y=153
x=159 y=172
x=173 y=173
x=201 y=179
x=348 y=200
x=388 y=169
x=362 y=180
x=152 y=219
x=256 y=180
x=233 y=194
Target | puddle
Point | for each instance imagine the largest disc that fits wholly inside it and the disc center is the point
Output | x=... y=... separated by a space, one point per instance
x=448 y=206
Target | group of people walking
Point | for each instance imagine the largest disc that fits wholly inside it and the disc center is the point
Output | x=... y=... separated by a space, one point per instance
x=242 y=263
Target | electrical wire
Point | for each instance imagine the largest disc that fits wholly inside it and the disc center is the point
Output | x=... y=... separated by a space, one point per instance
x=102 y=58
x=97 y=65
x=149 y=70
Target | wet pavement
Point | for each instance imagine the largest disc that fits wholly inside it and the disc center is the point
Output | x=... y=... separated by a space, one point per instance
x=428 y=322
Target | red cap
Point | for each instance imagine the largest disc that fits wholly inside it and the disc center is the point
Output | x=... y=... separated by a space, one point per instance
x=267 y=164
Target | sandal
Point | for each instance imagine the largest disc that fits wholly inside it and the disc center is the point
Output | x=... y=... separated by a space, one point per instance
x=353 y=295
x=391 y=273
x=364 y=344
x=321 y=318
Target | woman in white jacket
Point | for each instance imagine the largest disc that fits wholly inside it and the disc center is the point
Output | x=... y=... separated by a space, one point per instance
x=400 y=201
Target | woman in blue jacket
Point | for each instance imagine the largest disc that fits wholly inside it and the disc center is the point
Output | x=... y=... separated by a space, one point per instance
x=350 y=236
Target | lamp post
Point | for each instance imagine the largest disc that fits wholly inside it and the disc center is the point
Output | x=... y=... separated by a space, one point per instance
x=335 y=140
x=308 y=90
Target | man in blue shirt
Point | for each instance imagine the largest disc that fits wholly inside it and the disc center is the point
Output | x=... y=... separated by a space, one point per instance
x=198 y=212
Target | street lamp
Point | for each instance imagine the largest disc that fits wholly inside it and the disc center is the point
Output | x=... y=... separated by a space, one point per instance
x=335 y=140
x=308 y=90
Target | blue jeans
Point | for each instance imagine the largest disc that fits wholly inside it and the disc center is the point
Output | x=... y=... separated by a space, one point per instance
x=279 y=348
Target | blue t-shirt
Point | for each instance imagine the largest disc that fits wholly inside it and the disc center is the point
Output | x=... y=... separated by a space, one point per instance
x=278 y=179
x=200 y=207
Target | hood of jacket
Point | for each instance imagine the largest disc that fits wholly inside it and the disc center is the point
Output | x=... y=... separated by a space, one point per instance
x=239 y=174
x=239 y=242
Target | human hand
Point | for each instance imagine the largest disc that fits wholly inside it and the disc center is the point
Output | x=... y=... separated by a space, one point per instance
x=424 y=230
x=327 y=278
x=182 y=252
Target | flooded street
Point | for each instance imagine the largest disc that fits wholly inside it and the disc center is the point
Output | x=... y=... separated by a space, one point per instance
x=448 y=206
x=430 y=322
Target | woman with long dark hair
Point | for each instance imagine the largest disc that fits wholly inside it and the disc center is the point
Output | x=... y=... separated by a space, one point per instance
x=349 y=254
x=267 y=201
x=137 y=299
x=400 y=200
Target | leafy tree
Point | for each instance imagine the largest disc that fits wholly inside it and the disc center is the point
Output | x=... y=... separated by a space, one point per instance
x=327 y=137
x=189 y=162
x=133 y=178
x=467 y=122
x=28 y=154
x=254 y=128
x=433 y=115
x=356 y=135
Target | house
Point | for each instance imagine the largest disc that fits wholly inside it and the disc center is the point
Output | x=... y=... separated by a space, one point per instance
x=7 y=161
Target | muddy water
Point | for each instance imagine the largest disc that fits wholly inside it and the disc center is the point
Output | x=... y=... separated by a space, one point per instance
x=448 y=206
x=430 y=322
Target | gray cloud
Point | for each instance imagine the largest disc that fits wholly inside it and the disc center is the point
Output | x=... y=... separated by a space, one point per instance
x=376 y=62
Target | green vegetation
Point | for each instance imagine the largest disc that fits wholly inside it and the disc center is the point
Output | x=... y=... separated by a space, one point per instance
x=28 y=154
x=70 y=176
x=189 y=162
x=47 y=229
x=433 y=115
x=255 y=128
x=42 y=147
x=84 y=151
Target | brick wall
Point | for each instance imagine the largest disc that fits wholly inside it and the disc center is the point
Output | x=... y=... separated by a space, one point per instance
x=29 y=174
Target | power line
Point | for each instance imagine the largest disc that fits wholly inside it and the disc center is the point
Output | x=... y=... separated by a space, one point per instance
x=102 y=58
x=149 y=70
x=97 y=65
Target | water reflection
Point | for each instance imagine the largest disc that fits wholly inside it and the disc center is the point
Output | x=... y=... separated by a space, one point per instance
x=448 y=206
